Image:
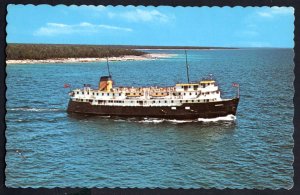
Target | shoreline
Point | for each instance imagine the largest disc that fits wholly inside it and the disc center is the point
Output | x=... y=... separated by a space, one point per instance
x=150 y=56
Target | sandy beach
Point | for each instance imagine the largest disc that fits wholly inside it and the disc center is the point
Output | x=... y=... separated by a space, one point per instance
x=75 y=60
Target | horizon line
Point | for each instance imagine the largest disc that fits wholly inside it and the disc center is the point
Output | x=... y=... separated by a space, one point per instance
x=179 y=46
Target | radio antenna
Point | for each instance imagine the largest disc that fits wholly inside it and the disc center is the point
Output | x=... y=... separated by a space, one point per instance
x=187 y=67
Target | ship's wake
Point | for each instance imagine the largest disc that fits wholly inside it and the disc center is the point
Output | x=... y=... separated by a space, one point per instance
x=34 y=109
x=227 y=118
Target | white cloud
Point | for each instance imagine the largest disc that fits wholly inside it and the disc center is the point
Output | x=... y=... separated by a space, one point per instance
x=139 y=15
x=276 y=11
x=53 y=29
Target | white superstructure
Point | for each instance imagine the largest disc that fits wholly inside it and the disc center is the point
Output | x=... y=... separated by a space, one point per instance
x=200 y=92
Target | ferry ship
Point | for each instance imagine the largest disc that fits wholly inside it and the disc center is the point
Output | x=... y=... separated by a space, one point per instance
x=182 y=101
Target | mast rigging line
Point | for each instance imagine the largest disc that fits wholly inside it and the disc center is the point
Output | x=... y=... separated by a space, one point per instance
x=187 y=67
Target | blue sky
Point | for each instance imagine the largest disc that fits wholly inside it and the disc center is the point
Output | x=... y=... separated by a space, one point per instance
x=192 y=26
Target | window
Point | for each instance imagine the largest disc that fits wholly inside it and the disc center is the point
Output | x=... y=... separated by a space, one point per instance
x=180 y=101
x=88 y=93
x=190 y=93
x=153 y=101
x=172 y=101
x=165 y=101
x=77 y=92
x=107 y=94
x=97 y=93
x=82 y=93
x=192 y=100
x=174 y=93
x=183 y=93
x=158 y=101
x=120 y=94
x=198 y=100
x=179 y=94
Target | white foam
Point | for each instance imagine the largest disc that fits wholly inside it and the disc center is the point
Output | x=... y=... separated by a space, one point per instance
x=157 y=120
x=34 y=109
x=229 y=117
x=180 y=121
x=153 y=120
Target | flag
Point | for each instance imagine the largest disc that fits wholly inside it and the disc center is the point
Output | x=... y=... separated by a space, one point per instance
x=235 y=85
x=67 y=85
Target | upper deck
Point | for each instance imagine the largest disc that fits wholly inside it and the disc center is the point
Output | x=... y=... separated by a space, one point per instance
x=203 y=91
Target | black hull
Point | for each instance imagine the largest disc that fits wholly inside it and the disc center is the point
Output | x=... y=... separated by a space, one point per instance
x=197 y=110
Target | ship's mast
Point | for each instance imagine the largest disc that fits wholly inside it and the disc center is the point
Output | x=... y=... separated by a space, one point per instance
x=108 y=67
x=187 y=67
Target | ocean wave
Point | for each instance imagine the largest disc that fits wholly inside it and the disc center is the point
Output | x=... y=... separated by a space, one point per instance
x=229 y=117
x=151 y=120
x=34 y=109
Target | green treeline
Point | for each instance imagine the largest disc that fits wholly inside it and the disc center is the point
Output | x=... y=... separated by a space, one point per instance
x=52 y=51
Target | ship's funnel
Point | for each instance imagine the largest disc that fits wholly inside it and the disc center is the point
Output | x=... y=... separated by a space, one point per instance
x=105 y=83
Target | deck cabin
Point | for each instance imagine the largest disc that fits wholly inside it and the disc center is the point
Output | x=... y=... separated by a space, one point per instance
x=202 y=91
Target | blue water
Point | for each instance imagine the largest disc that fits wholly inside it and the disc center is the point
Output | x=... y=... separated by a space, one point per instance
x=47 y=148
